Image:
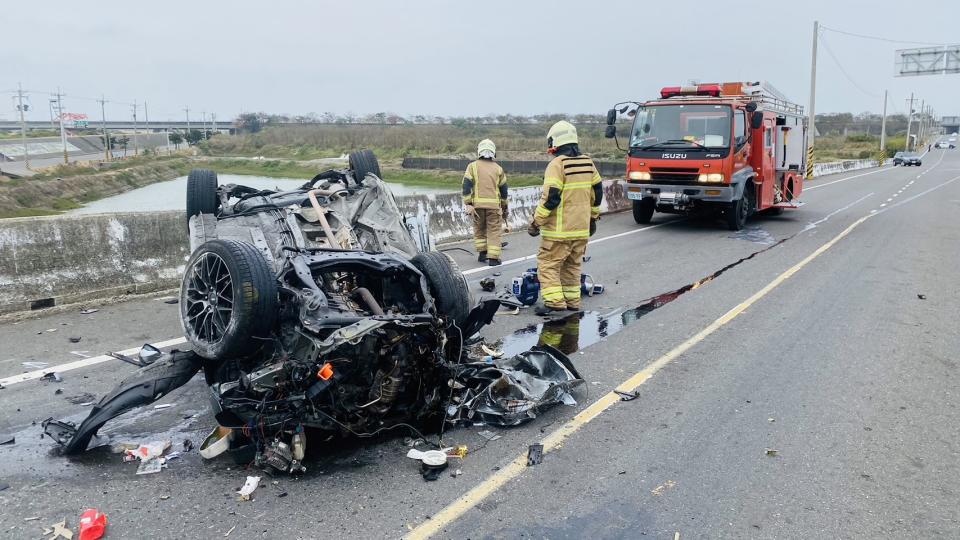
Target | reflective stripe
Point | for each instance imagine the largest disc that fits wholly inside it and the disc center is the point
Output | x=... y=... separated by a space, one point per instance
x=577 y=185
x=493 y=252
x=542 y=212
x=552 y=294
x=574 y=235
x=594 y=211
x=555 y=182
x=486 y=199
x=597 y=178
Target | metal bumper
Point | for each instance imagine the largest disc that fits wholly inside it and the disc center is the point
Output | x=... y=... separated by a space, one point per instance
x=682 y=194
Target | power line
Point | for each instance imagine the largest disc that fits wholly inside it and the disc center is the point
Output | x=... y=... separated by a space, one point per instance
x=845 y=74
x=878 y=38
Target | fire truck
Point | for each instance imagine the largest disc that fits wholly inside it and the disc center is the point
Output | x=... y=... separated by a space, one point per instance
x=728 y=149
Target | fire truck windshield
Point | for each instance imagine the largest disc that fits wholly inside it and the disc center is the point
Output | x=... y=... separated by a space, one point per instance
x=689 y=126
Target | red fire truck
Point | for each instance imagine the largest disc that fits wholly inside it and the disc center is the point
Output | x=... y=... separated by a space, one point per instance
x=732 y=149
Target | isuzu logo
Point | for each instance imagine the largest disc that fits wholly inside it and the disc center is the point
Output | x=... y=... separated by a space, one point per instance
x=674 y=156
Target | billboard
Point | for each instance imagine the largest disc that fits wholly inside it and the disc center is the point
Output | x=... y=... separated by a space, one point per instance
x=927 y=61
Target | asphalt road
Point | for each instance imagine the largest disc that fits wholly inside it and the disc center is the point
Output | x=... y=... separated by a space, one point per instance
x=806 y=392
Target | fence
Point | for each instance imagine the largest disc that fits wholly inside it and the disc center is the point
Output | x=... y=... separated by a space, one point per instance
x=606 y=168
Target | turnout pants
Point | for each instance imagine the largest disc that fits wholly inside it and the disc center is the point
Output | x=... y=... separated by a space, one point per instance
x=558 y=268
x=487 y=229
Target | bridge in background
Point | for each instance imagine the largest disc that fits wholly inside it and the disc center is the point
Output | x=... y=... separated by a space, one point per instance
x=126 y=125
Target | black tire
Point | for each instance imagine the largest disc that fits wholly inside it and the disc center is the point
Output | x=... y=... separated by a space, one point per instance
x=739 y=210
x=227 y=324
x=364 y=162
x=202 y=193
x=643 y=210
x=447 y=285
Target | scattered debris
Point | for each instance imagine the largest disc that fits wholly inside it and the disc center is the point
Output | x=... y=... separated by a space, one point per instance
x=516 y=311
x=52 y=376
x=488 y=284
x=75 y=339
x=497 y=274
x=488 y=435
x=32 y=518
x=627 y=396
x=4 y=486
x=492 y=352
x=89 y=311
x=248 y=488
x=226 y=534
x=534 y=454
x=460 y=451
x=172 y=301
x=58 y=391
x=216 y=443
x=34 y=365
x=663 y=487
x=512 y=391
x=58 y=530
x=7 y=439
x=164 y=497
x=922 y=296
x=164 y=406
x=187 y=445
x=456 y=473
x=51 y=330
x=93 y=524
x=432 y=463
x=771 y=452
x=771 y=420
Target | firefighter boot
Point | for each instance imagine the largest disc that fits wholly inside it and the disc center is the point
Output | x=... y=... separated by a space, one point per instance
x=482 y=256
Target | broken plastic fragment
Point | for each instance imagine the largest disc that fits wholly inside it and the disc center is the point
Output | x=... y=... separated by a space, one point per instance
x=534 y=454
x=248 y=488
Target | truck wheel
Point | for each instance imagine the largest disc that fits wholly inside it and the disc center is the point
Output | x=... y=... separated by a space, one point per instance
x=228 y=299
x=447 y=285
x=202 y=193
x=643 y=210
x=362 y=163
x=740 y=210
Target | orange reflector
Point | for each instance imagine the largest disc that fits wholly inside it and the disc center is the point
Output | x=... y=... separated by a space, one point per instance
x=325 y=372
x=713 y=192
x=632 y=188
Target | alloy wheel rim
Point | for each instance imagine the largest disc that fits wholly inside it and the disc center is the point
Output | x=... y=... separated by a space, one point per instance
x=209 y=298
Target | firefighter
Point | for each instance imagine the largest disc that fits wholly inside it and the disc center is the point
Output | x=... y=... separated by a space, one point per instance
x=485 y=198
x=563 y=334
x=566 y=217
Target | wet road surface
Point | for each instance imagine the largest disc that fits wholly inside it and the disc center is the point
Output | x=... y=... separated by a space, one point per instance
x=840 y=370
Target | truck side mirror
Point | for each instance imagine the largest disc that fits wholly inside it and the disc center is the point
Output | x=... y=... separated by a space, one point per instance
x=611 y=117
x=611 y=132
x=756 y=121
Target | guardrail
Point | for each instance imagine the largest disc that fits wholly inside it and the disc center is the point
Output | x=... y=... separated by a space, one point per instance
x=834 y=167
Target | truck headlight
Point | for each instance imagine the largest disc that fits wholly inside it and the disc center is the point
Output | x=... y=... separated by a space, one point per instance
x=711 y=177
x=639 y=175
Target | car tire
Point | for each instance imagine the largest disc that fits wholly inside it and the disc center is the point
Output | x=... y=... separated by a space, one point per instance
x=202 y=193
x=237 y=319
x=447 y=285
x=643 y=210
x=740 y=209
x=364 y=162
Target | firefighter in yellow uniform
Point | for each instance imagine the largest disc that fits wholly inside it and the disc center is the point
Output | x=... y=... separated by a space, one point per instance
x=566 y=217
x=485 y=197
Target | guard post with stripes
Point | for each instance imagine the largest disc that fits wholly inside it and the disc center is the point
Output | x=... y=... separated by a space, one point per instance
x=810 y=163
x=881 y=157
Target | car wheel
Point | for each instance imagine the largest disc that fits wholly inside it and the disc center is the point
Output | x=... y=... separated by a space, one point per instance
x=740 y=210
x=447 y=285
x=363 y=163
x=202 y=193
x=643 y=210
x=228 y=299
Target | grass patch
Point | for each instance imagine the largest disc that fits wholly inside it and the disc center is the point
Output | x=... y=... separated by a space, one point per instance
x=27 y=212
x=453 y=180
x=271 y=168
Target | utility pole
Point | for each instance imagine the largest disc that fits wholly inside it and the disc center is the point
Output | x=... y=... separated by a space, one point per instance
x=919 y=126
x=187 y=110
x=23 y=127
x=812 y=133
x=909 y=121
x=213 y=122
x=103 y=126
x=883 y=124
x=146 y=116
x=203 y=123
x=63 y=132
x=136 y=145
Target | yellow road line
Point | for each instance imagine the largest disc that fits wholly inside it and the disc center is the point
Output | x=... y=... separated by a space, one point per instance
x=555 y=439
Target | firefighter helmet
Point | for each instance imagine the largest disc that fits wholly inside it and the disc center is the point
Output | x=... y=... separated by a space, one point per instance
x=486 y=149
x=561 y=133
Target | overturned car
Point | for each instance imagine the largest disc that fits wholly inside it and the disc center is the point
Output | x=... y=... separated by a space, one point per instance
x=324 y=308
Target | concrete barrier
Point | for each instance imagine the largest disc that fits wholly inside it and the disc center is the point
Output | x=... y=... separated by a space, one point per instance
x=834 y=167
x=48 y=261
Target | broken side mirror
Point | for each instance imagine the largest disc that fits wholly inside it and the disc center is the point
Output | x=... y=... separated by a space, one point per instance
x=756 y=120
x=611 y=132
x=149 y=354
x=611 y=117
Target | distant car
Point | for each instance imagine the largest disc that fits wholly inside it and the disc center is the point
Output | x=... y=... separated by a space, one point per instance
x=909 y=158
x=898 y=159
x=945 y=144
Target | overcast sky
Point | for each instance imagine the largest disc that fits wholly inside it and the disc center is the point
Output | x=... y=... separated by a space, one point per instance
x=456 y=57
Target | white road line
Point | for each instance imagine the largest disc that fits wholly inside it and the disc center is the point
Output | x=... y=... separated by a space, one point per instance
x=818 y=186
x=92 y=361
